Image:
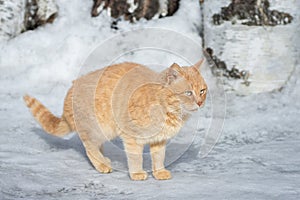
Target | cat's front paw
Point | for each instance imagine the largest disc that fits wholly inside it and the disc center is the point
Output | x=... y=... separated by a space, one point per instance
x=139 y=176
x=162 y=174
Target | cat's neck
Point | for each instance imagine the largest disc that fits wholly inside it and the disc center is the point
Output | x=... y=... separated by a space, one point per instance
x=172 y=107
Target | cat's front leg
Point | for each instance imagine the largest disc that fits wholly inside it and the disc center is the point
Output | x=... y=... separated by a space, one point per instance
x=158 y=151
x=134 y=152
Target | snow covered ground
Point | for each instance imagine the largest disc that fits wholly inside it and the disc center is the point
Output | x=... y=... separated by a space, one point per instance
x=257 y=156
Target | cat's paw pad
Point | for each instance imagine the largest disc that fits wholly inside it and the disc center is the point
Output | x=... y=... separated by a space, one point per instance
x=162 y=174
x=104 y=168
x=139 y=176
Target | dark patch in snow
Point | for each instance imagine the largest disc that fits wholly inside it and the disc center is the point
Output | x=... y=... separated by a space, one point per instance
x=57 y=143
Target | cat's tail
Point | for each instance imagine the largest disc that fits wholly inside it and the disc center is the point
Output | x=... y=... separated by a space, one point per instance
x=50 y=123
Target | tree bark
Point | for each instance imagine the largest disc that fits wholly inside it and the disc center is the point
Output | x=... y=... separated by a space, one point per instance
x=136 y=9
x=22 y=15
x=240 y=47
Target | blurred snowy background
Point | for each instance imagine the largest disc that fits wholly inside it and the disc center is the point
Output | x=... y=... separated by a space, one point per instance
x=257 y=156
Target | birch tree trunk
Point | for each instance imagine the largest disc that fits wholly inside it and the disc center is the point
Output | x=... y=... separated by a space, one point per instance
x=136 y=9
x=21 y=15
x=268 y=53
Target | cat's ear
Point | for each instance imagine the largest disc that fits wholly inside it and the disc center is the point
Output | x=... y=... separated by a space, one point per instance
x=172 y=73
x=199 y=64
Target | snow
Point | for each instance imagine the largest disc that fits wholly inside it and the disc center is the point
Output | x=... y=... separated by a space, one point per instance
x=257 y=156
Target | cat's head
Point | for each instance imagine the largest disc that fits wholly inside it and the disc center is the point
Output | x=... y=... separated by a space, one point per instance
x=188 y=85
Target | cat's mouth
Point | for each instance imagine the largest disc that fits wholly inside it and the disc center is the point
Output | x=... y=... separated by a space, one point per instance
x=190 y=110
x=194 y=109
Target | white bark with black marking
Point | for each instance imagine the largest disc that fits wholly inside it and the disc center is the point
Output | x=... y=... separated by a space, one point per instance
x=46 y=9
x=21 y=15
x=11 y=18
x=261 y=50
x=136 y=9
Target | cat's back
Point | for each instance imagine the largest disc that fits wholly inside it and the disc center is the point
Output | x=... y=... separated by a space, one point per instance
x=125 y=74
x=114 y=85
x=115 y=72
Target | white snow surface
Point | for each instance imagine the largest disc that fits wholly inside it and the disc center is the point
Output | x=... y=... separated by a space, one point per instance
x=257 y=156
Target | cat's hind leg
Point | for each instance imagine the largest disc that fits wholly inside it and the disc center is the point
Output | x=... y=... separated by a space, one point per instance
x=94 y=152
x=101 y=163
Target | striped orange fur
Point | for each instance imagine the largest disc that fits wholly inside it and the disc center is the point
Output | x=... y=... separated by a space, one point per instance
x=50 y=123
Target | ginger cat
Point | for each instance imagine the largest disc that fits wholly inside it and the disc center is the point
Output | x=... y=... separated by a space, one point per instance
x=130 y=101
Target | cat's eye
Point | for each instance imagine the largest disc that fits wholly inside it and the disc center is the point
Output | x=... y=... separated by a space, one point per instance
x=202 y=91
x=188 y=93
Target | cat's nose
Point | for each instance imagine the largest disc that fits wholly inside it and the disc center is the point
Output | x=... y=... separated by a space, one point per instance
x=199 y=103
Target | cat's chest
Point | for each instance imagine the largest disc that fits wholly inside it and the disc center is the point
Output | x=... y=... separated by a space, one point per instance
x=167 y=129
